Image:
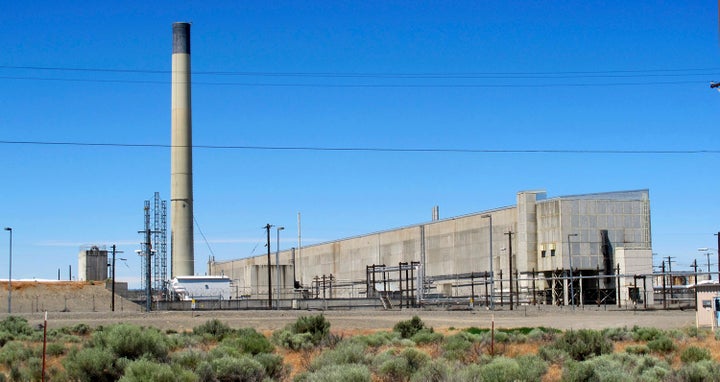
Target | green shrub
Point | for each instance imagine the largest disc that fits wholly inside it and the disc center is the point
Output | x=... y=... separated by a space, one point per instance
x=583 y=344
x=676 y=334
x=617 y=367
x=304 y=333
x=248 y=340
x=132 y=342
x=238 y=369
x=16 y=326
x=426 y=336
x=416 y=359
x=188 y=359
x=695 y=354
x=345 y=352
x=433 y=371
x=651 y=369
x=205 y=372
x=215 y=329
x=524 y=368
x=501 y=337
x=81 y=329
x=55 y=349
x=637 y=349
x=661 y=344
x=601 y=368
x=456 y=347
x=290 y=340
x=317 y=326
x=273 y=365
x=532 y=367
x=14 y=353
x=553 y=355
x=5 y=337
x=394 y=366
x=92 y=365
x=541 y=334
x=468 y=373
x=646 y=334
x=178 y=341
x=223 y=350
x=334 y=373
x=32 y=370
x=410 y=327
x=147 y=371
x=695 y=332
x=700 y=371
x=404 y=342
x=377 y=339
x=501 y=369
x=394 y=369
x=618 y=334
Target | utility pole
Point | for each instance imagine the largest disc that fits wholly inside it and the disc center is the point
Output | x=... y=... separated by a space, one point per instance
x=148 y=271
x=669 y=261
x=707 y=256
x=510 y=233
x=695 y=267
x=718 y=253
x=267 y=228
x=663 y=286
x=112 y=303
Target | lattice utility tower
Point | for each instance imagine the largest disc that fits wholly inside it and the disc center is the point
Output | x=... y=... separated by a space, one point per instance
x=158 y=228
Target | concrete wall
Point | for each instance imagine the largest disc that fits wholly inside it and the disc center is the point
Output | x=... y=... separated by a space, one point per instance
x=93 y=264
x=625 y=215
x=635 y=261
x=460 y=245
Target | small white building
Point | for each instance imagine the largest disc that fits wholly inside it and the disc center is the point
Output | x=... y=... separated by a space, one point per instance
x=708 y=303
x=189 y=288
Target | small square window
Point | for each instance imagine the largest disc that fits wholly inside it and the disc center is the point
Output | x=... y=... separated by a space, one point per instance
x=542 y=253
x=552 y=252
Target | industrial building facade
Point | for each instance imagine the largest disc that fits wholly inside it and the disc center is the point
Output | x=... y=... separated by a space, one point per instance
x=531 y=247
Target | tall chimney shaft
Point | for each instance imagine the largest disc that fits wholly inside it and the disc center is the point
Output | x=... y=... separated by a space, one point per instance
x=181 y=189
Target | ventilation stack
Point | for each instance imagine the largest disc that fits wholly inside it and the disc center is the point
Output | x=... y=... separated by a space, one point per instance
x=181 y=190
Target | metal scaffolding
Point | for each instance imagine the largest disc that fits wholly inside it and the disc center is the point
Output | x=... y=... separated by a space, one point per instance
x=159 y=240
x=155 y=222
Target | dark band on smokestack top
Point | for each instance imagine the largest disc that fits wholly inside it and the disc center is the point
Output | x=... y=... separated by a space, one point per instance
x=181 y=38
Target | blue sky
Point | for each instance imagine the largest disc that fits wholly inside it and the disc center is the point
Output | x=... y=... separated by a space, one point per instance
x=492 y=75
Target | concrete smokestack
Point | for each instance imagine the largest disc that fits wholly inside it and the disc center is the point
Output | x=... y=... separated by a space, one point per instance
x=181 y=189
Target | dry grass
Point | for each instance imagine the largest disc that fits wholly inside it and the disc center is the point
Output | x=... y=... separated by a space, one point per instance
x=553 y=374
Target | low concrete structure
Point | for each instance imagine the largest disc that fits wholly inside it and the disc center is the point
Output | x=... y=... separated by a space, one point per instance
x=601 y=234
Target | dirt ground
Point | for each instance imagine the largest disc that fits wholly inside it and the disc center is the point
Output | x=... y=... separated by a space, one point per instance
x=371 y=320
x=70 y=303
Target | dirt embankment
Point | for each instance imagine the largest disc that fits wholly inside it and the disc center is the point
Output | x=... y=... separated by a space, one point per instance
x=61 y=296
x=69 y=303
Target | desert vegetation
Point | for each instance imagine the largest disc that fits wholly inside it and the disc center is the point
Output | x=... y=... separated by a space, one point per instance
x=307 y=350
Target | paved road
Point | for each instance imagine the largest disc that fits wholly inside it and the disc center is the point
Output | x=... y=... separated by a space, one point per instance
x=384 y=320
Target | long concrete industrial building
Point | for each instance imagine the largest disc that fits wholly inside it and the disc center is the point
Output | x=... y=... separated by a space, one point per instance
x=539 y=240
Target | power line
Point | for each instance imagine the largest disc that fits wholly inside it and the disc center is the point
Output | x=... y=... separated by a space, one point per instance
x=367 y=86
x=595 y=77
x=521 y=74
x=372 y=149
